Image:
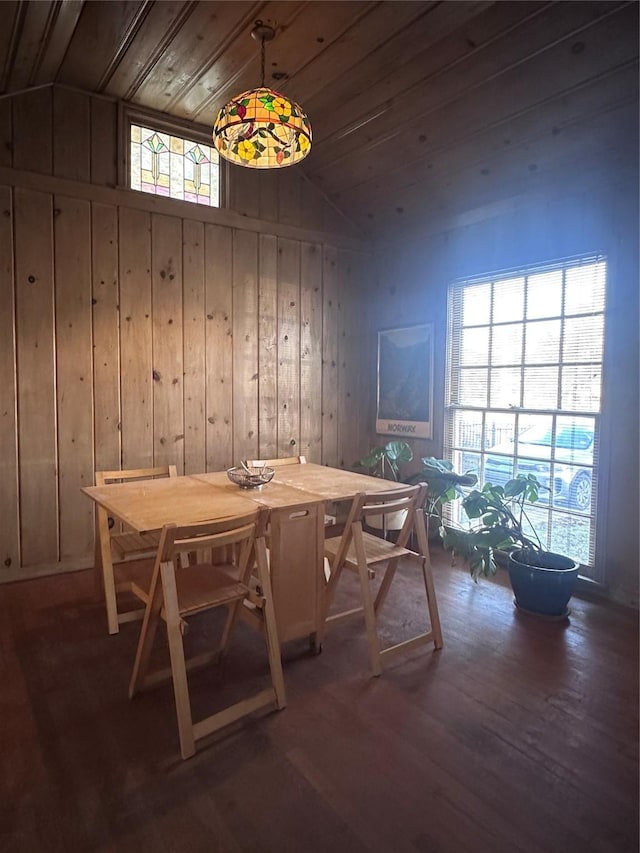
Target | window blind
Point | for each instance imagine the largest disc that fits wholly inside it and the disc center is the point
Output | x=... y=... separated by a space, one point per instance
x=523 y=390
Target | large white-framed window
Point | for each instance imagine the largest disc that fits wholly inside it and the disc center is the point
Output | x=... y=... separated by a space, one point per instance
x=524 y=379
x=163 y=157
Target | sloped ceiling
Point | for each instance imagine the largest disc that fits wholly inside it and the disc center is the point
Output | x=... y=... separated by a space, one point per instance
x=420 y=110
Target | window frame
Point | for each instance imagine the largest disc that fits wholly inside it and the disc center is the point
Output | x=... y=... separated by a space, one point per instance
x=452 y=405
x=129 y=114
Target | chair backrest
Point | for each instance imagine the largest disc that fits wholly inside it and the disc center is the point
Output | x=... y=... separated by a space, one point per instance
x=276 y=463
x=406 y=499
x=240 y=531
x=105 y=477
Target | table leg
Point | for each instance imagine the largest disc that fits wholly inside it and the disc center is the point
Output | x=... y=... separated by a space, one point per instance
x=105 y=566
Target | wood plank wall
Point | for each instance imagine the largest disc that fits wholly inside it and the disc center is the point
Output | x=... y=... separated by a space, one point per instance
x=132 y=333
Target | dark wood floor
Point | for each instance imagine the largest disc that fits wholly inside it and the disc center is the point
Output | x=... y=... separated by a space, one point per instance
x=519 y=735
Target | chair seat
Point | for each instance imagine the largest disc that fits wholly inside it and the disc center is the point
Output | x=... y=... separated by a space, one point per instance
x=205 y=585
x=135 y=544
x=377 y=550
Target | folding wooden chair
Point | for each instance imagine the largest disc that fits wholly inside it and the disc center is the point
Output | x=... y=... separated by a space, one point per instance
x=363 y=552
x=181 y=590
x=124 y=544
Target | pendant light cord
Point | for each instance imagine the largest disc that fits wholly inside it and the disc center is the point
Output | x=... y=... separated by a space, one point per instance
x=262 y=54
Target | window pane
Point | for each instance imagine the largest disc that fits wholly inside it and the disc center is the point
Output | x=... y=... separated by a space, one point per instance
x=575 y=440
x=476 y=305
x=543 y=342
x=535 y=446
x=537 y=523
x=540 y=387
x=572 y=487
x=570 y=536
x=500 y=430
x=467 y=430
x=177 y=175
x=473 y=387
x=508 y=300
x=475 y=346
x=581 y=388
x=534 y=426
x=544 y=295
x=583 y=338
x=163 y=164
x=506 y=344
x=498 y=468
x=585 y=288
x=469 y=463
x=505 y=387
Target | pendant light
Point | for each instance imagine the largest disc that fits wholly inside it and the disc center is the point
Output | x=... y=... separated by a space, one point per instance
x=261 y=128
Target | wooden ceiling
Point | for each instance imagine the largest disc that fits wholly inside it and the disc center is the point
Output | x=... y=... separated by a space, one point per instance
x=420 y=110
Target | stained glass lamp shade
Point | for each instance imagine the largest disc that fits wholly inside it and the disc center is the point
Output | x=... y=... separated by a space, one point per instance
x=262 y=129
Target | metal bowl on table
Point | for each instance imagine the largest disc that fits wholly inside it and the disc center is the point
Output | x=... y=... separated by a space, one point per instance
x=249 y=477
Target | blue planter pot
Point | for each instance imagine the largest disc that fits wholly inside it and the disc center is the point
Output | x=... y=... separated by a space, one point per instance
x=544 y=590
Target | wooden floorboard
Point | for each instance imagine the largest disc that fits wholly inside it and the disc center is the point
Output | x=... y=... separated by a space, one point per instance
x=519 y=736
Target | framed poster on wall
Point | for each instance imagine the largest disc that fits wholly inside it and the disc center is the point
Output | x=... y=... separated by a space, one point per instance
x=405 y=382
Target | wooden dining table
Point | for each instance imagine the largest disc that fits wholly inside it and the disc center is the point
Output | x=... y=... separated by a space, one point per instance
x=296 y=500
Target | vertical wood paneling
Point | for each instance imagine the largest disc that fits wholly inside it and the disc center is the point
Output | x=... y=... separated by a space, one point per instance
x=245 y=345
x=369 y=290
x=289 y=197
x=268 y=347
x=350 y=345
x=9 y=530
x=106 y=337
x=244 y=191
x=71 y=135
x=311 y=352
x=166 y=278
x=6 y=138
x=288 y=347
x=72 y=233
x=103 y=152
x=194 y=350
x=313 y=207
x=330 y=356
x=32 y=131
x=238 y=328
x=219 y=347
x=269 y=182
x=135 y=338
x=36 y=377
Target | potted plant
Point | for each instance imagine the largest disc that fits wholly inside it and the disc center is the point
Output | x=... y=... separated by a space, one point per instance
x=384 y=461
x=445 y=485
x=542 y=581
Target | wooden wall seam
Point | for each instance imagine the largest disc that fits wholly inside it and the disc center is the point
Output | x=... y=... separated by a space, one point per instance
x=167 y=340
x=36 y=378
x=74 y=373
x=132 y=199
x=105 y=316
x=9 y=469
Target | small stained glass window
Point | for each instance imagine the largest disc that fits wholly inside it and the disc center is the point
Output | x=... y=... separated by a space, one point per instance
x=168 y=165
